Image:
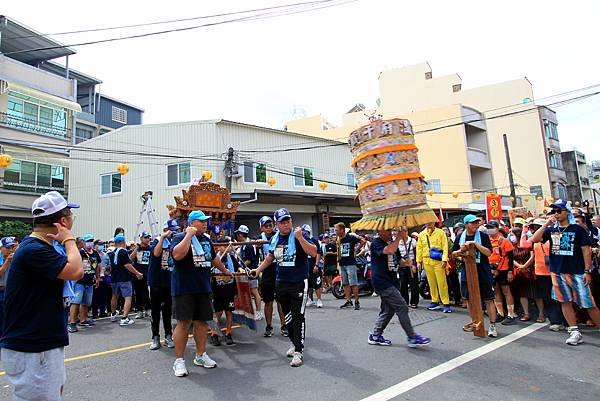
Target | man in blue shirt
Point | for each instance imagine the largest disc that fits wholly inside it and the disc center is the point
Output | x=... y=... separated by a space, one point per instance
x=194 y=257
x=7 y=249
x=570 y=265
x=291 y=251
x=385 y=281
x=35 y=331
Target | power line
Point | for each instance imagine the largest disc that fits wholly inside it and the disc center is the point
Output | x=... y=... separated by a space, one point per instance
x=326 y=4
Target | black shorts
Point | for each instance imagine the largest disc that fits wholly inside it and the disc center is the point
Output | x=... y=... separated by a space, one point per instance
x=193 y=307
x=486 y=289
x=330 y=270
x=501 y=277
x=315 y=280
x=267 y=291
x=223 y=297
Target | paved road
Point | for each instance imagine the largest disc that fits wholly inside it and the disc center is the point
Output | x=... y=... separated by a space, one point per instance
x=339 y=365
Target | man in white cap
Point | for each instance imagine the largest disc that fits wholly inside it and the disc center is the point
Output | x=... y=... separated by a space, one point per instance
x=35 y=321
x=247 y=254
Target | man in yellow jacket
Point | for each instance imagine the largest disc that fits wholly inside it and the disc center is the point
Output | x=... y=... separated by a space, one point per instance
x=432 y=255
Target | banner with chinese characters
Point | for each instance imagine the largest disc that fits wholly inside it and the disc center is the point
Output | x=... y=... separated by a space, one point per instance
x=493 y=206
x=517 y=212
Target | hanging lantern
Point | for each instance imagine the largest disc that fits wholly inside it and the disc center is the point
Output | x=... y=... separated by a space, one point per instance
x=430 y=192
x=5 y=160
x=123 y=168
x=323 y=186
x=540 y=198
x=550 y=200
x=206 y=175
x=271 y=181
x=455 y=195
x=511 y=198
x=525 y=200
x=577 y=203
x=477 y=196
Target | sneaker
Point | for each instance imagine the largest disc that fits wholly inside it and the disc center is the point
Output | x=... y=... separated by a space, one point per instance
x=268 y=331
x=139 y=315
x=258 y=315
x=447 y=309
x=310 y=303
x=499 y=318
x=169 y=341
x=229 y=340
x=126 y=322
x=418 y=341
x=205 y=361
x=575 y=338
x=87 y=323
x=72 y=328
x=113 y=318
x=374 y=294
x=284 y=332
x=215 y=340
x=290 y=352
x=348 y=304
x=413 y=306
x=179 y=368
x=434 y=306
x=296 y=360
x=492 y=332
x=319 y=303
x=377 y=340
x=508 y=321
x=356 y=305
x=155 y=343
x=556 y=327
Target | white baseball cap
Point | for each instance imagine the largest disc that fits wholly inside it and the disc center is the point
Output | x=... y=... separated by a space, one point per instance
x=243 y=229
x=50 y=203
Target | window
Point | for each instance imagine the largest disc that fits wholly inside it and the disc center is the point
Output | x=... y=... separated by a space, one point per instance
x=255 y=172
x=456 y=88
x=551 y=131
x=119 y=115
x=560 y=191
x=32 y=176
x=110 y=183
x=34 y=115
x=434 y=185
x=555 y=160
x=178 y=174
x=83 y=133
x=303 y=177
x=350 y=182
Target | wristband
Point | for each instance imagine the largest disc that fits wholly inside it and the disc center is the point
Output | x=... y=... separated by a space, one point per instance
x=67 y=240
x=588 y=271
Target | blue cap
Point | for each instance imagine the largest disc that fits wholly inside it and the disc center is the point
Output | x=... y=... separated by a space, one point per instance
x=197 y=215
x=145 y=234
x=281 y=214
x=119 y=238
x=7 y=242
x=561 y=204
x=243 y=229
x=263 y=220
x=87 y=238
x=470 y=218
x=323 y=236
x=307 y=228
x=171 y=224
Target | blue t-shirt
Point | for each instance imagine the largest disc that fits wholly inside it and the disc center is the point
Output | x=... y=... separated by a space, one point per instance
x=347 y=248
x=159 y=272
x=91 y=263
x=483 y=266
x=384 y=271
x=565 y=248
x=191 y=275
x=290 y=268
x=119 y=273
x=34 y=314
x=142 y=259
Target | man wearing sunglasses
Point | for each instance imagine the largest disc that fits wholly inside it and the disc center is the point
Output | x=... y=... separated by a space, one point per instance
x=570 y=265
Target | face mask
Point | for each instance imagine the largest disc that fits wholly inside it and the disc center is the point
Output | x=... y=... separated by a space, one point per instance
x=492 y=231
x=101 y=248
x=512 y=239
x=89 y=245
x=529 y=234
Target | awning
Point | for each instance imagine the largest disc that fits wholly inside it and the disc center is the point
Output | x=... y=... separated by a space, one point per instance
x=59 y=101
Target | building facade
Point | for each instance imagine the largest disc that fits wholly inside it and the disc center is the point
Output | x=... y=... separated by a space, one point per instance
x=316 y=184
x=579 y=187
x=459 y=133
x=41 y=114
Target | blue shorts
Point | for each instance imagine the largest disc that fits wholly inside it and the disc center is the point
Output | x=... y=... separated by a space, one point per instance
x=570 y=288
x=349 y=276
x=122 y=289
x=83 y=295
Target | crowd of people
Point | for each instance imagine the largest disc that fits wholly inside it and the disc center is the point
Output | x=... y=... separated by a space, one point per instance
x=53 y=283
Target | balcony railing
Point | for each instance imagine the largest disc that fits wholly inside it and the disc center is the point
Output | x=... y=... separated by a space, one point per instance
x=39 y=189
x=478 y=158
x=33 y=126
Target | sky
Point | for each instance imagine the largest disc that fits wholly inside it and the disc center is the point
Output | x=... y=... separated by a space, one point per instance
x=324 y=62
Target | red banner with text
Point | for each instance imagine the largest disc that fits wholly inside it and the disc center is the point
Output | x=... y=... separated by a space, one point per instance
x=494 y=207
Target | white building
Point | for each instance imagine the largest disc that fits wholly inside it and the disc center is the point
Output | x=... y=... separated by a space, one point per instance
x=165 y=158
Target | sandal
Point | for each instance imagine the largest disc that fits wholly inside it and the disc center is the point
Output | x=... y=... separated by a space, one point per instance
x=469 y=327
x=541 y=319
x=525 y=318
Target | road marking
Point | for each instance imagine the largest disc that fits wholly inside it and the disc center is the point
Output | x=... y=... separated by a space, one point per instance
x=113 y=351
x=430 y=374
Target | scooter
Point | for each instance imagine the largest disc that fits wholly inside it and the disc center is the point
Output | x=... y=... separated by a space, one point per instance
x=364 y=283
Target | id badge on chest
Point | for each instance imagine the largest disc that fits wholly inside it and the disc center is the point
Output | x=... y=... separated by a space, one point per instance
x=556 y=240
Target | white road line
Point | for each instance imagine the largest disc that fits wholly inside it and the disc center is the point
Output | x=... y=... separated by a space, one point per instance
x=430 y=374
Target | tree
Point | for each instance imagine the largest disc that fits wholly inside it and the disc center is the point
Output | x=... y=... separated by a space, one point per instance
x=14 y=228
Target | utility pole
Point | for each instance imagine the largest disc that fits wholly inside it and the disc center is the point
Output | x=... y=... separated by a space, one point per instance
x=511 y=179
x=229 y=169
